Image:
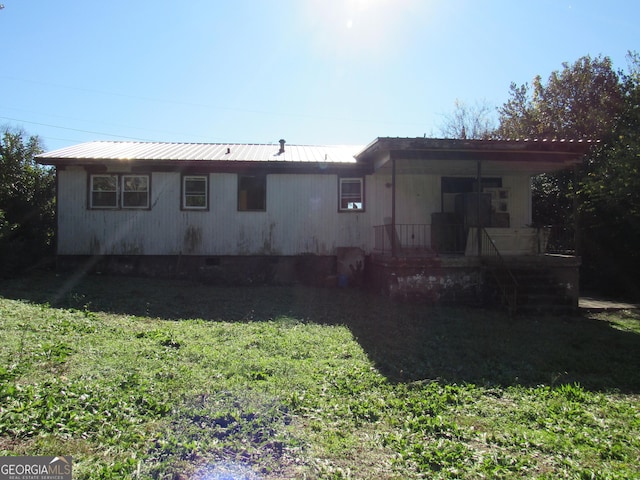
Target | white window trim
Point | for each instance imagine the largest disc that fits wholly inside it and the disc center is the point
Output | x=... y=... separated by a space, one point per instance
x=185 y=178
x=122 y=192
x=92 y=191
x=343 y=180
x=119 y=204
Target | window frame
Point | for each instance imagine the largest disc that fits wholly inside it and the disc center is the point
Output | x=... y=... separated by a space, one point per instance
x=345 y=196
x=450 y=186
x=120 y=192
x=243 y=205
x=92 y=191
x=184 y=194
x=124 y=191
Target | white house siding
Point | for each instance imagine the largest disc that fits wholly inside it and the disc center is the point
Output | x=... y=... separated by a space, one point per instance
x=417 y=197
x=519 y=199
x=301 y=218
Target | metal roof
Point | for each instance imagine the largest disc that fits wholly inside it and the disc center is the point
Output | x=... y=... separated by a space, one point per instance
x=429 y=154
x=230 y=152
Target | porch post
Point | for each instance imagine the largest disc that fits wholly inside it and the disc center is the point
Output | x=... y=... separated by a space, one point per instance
x=478 y=209
x=394 y=246
x=577 y=234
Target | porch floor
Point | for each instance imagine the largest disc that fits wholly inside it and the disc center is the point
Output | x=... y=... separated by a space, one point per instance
x=426 y=256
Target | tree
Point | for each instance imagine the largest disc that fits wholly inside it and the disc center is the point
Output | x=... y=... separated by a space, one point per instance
x=588 y=100
x=584 y=100
x=474 y=121
x=27 y=211
x=609 y=197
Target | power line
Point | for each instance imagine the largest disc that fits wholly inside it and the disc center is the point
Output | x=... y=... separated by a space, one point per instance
x=108 y=124
x=212 y=107
x=77 y=129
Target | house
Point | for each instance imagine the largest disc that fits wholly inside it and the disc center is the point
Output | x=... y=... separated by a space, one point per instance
x=403 y=214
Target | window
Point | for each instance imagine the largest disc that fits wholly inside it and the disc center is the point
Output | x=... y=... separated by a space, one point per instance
x=135 y=191
x=104 y=191
x=195 y=192
x=351 y=195
x=252 y=193
x=119 y=191
x=451 y=187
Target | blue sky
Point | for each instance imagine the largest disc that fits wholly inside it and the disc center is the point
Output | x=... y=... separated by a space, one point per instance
x=308 y=71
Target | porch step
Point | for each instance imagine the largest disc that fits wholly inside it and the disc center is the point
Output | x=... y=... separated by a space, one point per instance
x=538 y=291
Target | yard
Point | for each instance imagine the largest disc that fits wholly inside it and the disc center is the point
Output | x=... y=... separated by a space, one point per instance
x=142 y=378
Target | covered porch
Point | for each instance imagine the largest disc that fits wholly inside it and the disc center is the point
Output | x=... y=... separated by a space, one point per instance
x=458 y=227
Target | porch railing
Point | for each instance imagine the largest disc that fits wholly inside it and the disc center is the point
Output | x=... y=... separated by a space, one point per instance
x=451 y=238
x=407 y=237
x=560 y=239
x=420 y=238
x=503 y=276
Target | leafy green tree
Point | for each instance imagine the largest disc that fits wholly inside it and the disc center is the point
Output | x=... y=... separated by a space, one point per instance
x=609 y=197
x=583 y=100
x=27 y=210
x=588 y=100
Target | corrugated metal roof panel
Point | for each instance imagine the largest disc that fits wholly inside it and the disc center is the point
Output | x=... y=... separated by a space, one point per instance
x=204 y=152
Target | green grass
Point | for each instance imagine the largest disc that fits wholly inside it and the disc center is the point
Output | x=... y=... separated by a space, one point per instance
x=168 y=379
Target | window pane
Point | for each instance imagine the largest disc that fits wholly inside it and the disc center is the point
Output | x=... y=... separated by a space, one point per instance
x=104 y=199
x=195 y=201
x=351 y=194
x=104 y=183
x=104 y=191
x=135 y=183
x=135 y=191
x=350 y=188
x=134 y=199
x=195 y=186
x=195 y=192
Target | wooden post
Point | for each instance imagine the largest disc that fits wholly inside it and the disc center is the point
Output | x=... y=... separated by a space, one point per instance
x=577 y=234
x=394 y=245
x=478 y=208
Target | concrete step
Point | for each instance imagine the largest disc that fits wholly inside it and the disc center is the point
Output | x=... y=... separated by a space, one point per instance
x=537 y=292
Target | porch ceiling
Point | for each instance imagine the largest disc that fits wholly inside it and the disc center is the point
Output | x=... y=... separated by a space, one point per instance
x=460 y=157
x=457 y=167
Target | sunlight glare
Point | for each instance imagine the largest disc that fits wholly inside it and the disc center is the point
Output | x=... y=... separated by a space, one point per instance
x=348 y=27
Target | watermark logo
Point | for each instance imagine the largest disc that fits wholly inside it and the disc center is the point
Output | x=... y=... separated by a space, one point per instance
x=35 y=468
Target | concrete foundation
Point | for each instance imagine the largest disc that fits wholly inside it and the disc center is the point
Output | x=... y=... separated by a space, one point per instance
x=443 y=280
x=464 y=280
x=314 y=270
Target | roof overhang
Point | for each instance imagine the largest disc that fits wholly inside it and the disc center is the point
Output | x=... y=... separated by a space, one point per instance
x=461 y=157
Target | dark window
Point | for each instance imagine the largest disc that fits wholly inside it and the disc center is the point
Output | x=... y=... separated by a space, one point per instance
x=453 y=186
x=468 y=184
x=252 y=193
